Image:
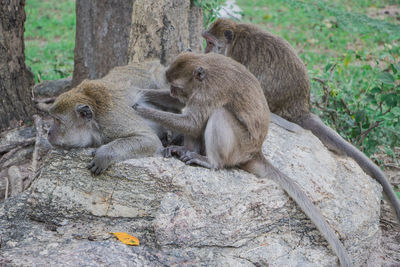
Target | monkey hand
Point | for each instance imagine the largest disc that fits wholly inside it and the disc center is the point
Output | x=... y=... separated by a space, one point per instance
x=100 y=162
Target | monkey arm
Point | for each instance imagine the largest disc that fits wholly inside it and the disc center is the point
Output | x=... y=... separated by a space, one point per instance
x=186 y=123
x=161 y=98
x=121 y=149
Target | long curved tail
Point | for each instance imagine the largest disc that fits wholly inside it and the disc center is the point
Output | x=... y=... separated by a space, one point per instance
x=335 y=142
x=264 y=169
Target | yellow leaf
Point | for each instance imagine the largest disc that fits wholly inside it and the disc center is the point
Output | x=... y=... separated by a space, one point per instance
x=266 y=16
x=126 y=239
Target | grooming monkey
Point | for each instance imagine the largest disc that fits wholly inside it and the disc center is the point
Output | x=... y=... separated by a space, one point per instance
x=225 y=105
x=286 y=85
x=98 y=113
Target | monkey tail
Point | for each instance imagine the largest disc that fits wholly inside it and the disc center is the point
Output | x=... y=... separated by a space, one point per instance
x=262 y=168
x=333 y=141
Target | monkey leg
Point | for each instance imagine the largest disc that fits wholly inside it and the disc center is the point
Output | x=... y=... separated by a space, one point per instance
x=226 y=141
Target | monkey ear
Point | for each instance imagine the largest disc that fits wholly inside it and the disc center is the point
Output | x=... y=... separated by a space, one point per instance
x=228 y=35
x=84 y=112
x=199 y=74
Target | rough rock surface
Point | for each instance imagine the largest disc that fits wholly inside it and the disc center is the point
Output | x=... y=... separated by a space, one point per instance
x=191 y=216
x=52 y=88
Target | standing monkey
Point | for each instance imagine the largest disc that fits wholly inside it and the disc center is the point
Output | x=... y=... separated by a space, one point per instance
x=225 y=105
x=286 y=85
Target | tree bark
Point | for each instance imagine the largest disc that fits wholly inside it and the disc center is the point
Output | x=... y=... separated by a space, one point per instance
x=15 y=78
x=115 y=32
x=162 y=29
x=102 y=37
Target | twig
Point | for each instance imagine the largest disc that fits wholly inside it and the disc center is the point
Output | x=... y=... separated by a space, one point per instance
x=45 y=100
x=34 y=165
x=16 y=182
x=366 y=132
x=8 y=155
x=24 y=143
x=325 y=88
x=43 y=107
x=30 y=179
x=346 y=107
x=7 y=185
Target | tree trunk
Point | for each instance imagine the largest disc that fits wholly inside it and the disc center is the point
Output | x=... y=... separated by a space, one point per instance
x=162 y=29
x=113 y=33
x=102 y=37
x=15 y=79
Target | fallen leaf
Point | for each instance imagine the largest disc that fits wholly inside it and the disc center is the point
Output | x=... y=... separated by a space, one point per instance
x=126 y=238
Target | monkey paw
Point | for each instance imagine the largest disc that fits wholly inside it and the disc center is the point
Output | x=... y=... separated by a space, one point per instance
x=99 y=163
x=187 y=156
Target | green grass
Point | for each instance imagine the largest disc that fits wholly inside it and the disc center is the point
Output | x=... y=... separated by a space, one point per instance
x=345 y=44
x=342 y=42
x=50 y=38
x=321 y=30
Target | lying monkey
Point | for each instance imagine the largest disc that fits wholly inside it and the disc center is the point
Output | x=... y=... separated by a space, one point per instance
x=225 y=105
x=98 y=113
x=286 y=85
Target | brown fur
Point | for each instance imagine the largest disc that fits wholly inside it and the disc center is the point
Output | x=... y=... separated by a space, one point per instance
x=286 y=85
x=225 y=106
x=98 y=114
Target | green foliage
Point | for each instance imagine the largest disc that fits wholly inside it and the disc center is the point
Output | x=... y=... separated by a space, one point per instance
x=50 y=38
x=352 y=57
x=362 y=103
x=210 y=10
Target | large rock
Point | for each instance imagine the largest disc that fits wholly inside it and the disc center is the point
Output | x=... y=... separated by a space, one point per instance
x=186 y=215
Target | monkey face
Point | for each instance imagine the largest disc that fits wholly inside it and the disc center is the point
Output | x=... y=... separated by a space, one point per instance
x=179 y=92
x=213 y=45
x=219 y=36
x=74 y=128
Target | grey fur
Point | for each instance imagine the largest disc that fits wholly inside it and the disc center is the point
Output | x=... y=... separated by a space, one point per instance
x=228 y=109
x=286 y=85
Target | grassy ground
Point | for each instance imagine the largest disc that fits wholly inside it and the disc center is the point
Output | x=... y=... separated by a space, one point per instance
x=352 y=46
x=50 y=38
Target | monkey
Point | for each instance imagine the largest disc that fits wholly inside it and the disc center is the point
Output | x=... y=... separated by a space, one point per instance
x=226 y=107
x=98 y=113
x=286 y=85
x=147 y=74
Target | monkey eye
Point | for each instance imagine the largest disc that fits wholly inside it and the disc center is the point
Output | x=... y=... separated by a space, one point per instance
x=57 y=119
